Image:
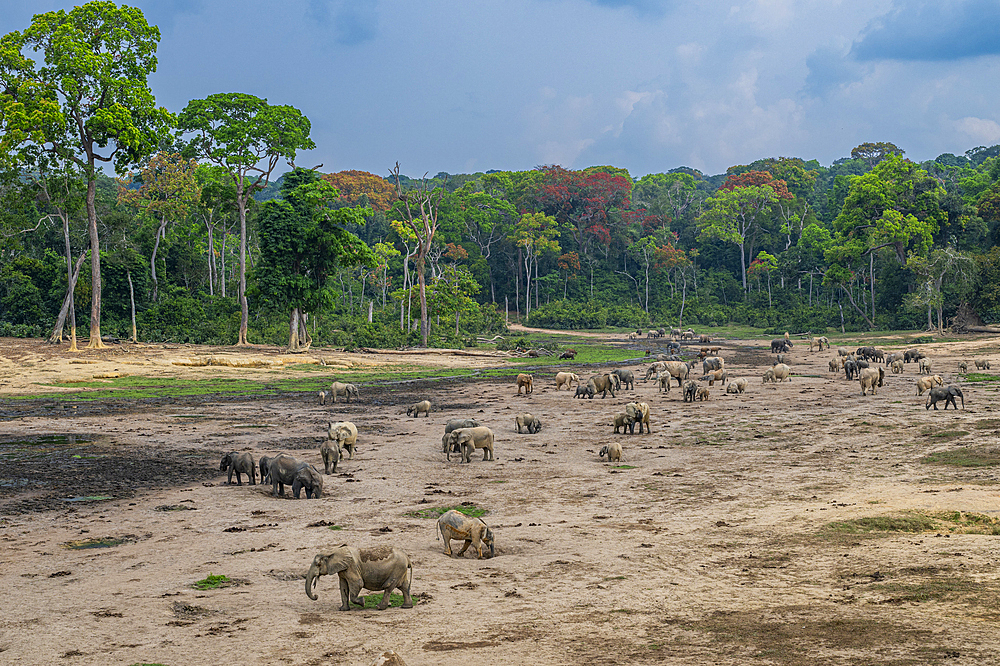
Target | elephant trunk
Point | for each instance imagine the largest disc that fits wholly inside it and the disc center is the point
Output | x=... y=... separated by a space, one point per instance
x=492 y=550
x=311 y=579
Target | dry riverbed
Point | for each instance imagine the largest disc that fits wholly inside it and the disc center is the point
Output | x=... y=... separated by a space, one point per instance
x=798 y=523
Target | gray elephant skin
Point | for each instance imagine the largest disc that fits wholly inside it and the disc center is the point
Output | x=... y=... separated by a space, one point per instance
x=285 y=469
x=454 y=525
x=379 y=569
x=239 y=463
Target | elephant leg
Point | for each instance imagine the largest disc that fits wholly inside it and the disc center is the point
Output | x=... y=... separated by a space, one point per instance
x=296 y=488
x=404 y=587
x=345 y=595
x=239 y=479
x=382 y=605
x=355 y=589
x=447 y=548
x=464 y=548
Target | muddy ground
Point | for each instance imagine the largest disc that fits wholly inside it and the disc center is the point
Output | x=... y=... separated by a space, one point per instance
x=721 y=539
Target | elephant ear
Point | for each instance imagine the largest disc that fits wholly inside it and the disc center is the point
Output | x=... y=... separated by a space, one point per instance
x=339 y=560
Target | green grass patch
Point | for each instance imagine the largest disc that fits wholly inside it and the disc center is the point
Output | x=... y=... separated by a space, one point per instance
x=941 y=436
x=470 y=510
x=212 y=582
x=980 y=377
x=138 y=387
x=373 y=600
x=910 y=523
x=979 y=456
x=624 y=467
x=335 y=527
x=987 y=424
x=586 y=354
x=969 y=522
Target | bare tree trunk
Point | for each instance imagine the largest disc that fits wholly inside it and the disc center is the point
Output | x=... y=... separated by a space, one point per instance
x=684 y=287
x=871 y=276
x=68 y=306
x=861 y=312
x=131 y=298
x=160 y=233
x=425 y=325
x=371 y=309
x=241 y=206
x=839 y=305
x=293 y=330
x=222 y=276
x=209 y=224
x=95 y=341
x=536 y=282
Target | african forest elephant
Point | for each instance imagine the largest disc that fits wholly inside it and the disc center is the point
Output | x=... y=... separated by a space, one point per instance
x=601 y=384
x=524 y=381
x=528 y=422
x=469 y=439
x=457 y=526
x=942 y=393
x=284 y=469
x=239 y=462
x=348 y=391
x=379 y=569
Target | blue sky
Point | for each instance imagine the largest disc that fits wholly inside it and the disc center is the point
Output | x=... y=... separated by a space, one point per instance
x=643 y=84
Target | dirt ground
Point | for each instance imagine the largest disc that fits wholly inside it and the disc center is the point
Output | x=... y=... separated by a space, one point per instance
x=711 y=544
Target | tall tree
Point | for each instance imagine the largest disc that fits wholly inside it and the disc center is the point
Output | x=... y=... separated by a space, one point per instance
x=733 y=215
x=873 y=153
x=247 y=137
x=536 y=234
x=420 y=208
x=303 y=239
x=168 y=188
x=89 y=103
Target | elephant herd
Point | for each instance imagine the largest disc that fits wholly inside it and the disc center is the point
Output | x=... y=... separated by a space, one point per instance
x=858 y=365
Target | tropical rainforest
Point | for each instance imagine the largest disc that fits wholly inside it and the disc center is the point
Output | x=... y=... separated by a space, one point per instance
x=199 y=238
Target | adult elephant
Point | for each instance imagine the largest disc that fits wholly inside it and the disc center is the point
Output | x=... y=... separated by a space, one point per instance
x=379 y=569
x=284 y=469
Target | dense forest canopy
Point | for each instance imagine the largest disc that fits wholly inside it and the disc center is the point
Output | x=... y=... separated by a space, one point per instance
x=872 y=241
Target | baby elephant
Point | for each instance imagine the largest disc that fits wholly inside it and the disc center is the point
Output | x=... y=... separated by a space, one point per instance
x=456 y=526
x=690 y=391
x=239 y=462
x=414 y=410
x=737 y=386
x=703 y=393
x=529 y=422
x=583 y=392
x=963 y=367
x=620 y=422
x=982 y=364
x=613 y=451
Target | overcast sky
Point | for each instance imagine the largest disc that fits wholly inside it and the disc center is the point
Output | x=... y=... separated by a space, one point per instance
x=648 y=85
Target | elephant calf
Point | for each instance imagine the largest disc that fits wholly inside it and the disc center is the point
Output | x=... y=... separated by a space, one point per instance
x=528 y=422
x=454 y=525
x=524 y=381
x=982 y=364
x=418 y=408
x=690 y=391
x=583 y=392
x=566 y=379
x=239 y=462
x=379 y=569
x=620 y=422
x=613 y=451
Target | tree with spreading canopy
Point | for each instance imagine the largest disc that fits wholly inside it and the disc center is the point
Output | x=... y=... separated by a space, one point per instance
x=247 y=137
x=303 y=240
x=89 y=103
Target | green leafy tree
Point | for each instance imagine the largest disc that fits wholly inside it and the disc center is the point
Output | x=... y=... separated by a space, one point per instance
x=247 y=137
x=733 y=214
x=895 y=206
x=452 y=291
x=89 y=103
x=943 y=264
x=762 y=267
x=535 y=234
x=303 y=240
x=168 y=189
x=873 y=153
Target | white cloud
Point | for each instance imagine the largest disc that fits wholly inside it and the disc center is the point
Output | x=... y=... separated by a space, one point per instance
x=981 y=130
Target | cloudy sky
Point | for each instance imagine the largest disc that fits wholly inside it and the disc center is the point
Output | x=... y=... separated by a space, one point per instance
x=648 y=85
